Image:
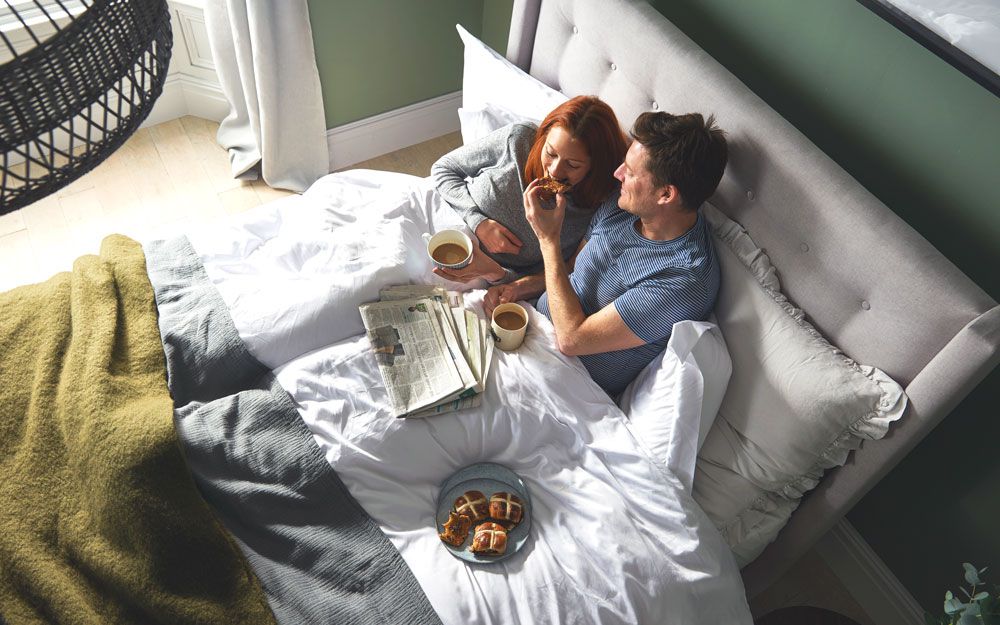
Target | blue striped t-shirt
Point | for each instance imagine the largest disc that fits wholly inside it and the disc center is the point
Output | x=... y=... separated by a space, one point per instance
x=653 y=284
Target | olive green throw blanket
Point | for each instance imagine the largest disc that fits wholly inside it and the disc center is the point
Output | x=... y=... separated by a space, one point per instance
x=100 y=521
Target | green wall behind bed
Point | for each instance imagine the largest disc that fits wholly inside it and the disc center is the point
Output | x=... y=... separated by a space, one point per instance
x=496 y=23
x=380 y=55
x=923 y=138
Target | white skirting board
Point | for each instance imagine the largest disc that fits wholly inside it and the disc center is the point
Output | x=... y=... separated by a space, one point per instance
x=374 y=136
x=867 y=578
x=187 y=95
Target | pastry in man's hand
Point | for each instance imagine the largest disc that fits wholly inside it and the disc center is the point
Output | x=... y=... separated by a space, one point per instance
x=507 y=508
x=472 y=504
x=456 y=529
x=490 y=539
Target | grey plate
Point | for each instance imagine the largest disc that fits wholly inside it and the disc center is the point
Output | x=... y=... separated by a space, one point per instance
x=489 y=470
x=487 y=478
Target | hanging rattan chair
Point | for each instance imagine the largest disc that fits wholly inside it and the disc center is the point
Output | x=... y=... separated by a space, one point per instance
x=80 y=81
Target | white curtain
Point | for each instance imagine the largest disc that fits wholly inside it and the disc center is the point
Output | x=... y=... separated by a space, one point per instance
x=276 y=127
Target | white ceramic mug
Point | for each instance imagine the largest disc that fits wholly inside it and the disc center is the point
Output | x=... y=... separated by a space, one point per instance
x=450 y=257
x=509 y=331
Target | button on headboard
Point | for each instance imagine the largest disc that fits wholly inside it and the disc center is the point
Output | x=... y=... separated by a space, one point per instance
x=865 y=279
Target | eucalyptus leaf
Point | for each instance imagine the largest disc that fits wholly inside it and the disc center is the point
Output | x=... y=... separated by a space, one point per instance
x=953 y=605
x=971 y=574
x=969 y=619
x=980 y=596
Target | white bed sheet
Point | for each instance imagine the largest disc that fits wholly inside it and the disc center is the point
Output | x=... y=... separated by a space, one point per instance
x=615 y=536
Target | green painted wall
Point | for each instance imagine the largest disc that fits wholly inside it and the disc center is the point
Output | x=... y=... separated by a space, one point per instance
x=926 y=140
x=912 y=129
x=496 y=23
x=379 y=55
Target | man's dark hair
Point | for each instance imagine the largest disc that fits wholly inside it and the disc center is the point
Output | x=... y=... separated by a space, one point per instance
x=685 y=151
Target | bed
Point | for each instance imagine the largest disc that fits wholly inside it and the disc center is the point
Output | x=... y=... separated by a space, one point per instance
x=267 y=481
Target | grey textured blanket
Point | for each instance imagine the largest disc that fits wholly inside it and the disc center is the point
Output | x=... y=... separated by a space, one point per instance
x=319 y=556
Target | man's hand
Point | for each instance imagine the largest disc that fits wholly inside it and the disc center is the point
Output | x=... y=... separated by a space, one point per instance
x=496 y=295
x=525 y=287
x=497 y=239
x=481 y=266
x=546 y=222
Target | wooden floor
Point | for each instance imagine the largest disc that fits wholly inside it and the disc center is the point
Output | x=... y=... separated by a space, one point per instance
x=173 y=177
x=167 y=178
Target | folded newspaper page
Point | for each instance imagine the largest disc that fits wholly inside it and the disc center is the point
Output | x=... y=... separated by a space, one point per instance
x=433 y=354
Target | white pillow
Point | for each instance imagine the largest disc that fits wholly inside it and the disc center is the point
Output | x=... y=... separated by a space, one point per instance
x=494 y=89
x=478 y=123
x=795 y=405
x=673 y=401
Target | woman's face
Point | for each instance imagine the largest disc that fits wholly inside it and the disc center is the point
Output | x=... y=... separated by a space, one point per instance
x=564 y=158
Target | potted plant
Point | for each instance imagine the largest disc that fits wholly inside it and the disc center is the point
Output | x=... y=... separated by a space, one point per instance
x=979 y=606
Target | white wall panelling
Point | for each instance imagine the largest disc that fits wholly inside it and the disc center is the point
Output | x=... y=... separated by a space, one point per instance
x=191 y=87
x=867 y=578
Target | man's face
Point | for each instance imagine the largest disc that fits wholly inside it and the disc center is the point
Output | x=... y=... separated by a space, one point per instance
x=639 y=192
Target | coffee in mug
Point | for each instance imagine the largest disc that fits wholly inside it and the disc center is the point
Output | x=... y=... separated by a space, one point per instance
x=509 y=324
x=450 y=249
x=510 y=320
x=449 y=253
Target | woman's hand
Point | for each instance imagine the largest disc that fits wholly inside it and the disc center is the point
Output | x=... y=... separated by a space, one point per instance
x=481 y=266
x=497 y=239
x=546 y=222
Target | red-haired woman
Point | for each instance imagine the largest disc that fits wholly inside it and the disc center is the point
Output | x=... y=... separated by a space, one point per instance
x=580 y=143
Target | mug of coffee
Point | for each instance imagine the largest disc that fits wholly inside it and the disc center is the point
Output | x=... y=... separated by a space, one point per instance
x=509 y=323
x=450 y=249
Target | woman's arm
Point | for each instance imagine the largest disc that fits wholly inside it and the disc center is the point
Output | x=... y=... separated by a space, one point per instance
x=451 y=170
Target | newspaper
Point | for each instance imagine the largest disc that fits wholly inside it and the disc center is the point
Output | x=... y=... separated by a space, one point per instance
x=433 y=354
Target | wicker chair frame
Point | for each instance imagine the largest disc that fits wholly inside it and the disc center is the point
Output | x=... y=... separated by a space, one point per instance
x=74 y=98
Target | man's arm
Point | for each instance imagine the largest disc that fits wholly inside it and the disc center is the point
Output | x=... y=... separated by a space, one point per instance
x=577 y=334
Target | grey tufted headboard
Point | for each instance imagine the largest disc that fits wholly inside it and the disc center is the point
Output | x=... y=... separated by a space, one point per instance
x=866 y=280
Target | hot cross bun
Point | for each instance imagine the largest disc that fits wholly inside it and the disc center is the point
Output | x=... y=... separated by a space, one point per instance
x=506 y=507
x=456 y=529
x=490 y=539
x=472 y=504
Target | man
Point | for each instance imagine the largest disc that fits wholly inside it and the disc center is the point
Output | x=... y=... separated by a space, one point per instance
x=648 y=261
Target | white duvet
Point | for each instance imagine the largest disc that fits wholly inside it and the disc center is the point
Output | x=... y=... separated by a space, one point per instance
x=615 y=537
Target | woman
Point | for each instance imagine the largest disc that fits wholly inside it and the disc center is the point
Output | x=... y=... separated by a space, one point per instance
x=579 y=143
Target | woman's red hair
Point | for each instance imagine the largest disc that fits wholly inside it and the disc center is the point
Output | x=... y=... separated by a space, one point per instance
x=590 y=120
